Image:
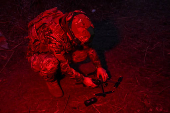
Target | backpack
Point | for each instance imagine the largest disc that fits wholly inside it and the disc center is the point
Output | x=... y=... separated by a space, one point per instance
x=36 y=43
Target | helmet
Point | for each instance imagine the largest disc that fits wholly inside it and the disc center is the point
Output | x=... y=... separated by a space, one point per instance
x=80 y=26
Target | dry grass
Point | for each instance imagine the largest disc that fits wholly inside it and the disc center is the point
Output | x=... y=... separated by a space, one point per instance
x=141 y=56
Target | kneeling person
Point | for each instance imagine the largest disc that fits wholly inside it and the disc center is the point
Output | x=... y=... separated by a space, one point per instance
x=58 y=40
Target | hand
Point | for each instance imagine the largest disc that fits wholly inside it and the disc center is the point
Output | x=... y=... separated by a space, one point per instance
x=88 y=82
x=102 y=72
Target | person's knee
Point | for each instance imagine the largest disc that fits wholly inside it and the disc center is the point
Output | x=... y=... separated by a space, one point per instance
x=49 y=67
x=46 y=65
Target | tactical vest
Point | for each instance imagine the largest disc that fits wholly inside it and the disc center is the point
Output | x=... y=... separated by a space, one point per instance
x=44 y=28
x=49 y=27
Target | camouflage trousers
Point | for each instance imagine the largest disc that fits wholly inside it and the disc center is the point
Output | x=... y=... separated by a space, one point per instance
x=48 y=66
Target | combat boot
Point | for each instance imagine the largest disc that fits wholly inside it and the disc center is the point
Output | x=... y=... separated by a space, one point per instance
x=55 y=89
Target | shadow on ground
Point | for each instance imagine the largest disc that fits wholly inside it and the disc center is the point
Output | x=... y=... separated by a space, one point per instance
x=106 y=38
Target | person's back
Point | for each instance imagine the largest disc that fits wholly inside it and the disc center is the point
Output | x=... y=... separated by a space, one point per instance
x=43 y=30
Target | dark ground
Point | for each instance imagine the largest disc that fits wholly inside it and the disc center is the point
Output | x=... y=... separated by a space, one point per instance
x=132 y=40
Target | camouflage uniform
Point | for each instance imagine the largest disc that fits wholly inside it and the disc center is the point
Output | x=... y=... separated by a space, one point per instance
x=52 y=47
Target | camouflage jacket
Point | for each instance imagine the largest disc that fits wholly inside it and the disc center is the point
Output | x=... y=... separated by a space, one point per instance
x=47 y=36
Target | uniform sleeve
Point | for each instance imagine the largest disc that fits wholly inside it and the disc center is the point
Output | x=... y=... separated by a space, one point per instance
x=57 y=49
x=94 y=57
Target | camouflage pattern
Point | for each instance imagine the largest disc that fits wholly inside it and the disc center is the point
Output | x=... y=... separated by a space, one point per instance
x=79 y=27
x=45 y=64
x=49 y=44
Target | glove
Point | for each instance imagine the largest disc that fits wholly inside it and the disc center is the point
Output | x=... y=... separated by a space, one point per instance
x=102 y=72
x=88 y=82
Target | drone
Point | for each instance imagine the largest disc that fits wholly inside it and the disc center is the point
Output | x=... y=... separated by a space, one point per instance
x=99 y=82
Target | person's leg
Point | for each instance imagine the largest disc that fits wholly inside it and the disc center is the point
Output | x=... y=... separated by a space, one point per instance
x=47 y=66
x=87 y=67
x=82 y=63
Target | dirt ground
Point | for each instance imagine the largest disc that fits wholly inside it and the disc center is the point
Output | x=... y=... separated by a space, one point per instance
x=132 y=40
